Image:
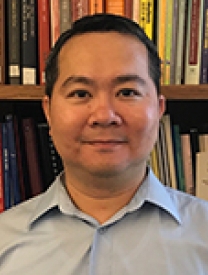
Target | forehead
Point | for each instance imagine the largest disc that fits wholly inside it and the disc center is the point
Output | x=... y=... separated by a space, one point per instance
x=102 y=42
x=103 y=55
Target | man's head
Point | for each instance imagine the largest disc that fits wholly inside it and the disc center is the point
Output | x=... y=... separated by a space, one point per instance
x=102 y=23
x=104 y=110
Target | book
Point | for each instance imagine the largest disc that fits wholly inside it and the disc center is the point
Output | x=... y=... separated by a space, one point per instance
x=161 y=30
x=162 y=154
x=1 y=173
x=194 y=140
x=187 y=163
x=54 y=7
x=204 y=54
x=169 y=147
x=65 y=15
x=202 y=175
x=180 y=41
x=173 y=53
x=135 y=10
x=13 y=171
x=178 y=157
x=146 y=16
x=194 y=40
x=43 y=38
x=154 y=162
x=79 y=9
x=32 y=157
x=50 y=161
x=114 y=6
x=96 y=6
x=5 y=150
x=128 y=8
x=168 y=41
x=21 y=167
x=29 y=50
x=13 y=41
x=2 y=43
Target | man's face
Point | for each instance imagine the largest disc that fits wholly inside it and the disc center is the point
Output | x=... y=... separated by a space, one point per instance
x=104 y=111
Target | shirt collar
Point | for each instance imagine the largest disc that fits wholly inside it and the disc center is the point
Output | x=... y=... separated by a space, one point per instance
x=151 y=191
x=154 y=192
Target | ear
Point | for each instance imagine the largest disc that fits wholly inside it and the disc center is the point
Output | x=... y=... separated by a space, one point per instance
x=162 y=105
x=46 y=108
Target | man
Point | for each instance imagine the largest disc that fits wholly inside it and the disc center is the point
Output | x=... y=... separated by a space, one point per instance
x=106 y=213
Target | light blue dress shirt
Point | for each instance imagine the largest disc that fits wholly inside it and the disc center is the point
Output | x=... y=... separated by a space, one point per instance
x=161 y=232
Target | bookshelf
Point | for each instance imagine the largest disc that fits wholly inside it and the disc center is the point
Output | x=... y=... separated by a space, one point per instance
x=171 y=92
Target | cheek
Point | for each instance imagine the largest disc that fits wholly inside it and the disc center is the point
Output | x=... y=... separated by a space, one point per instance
x=146 y=121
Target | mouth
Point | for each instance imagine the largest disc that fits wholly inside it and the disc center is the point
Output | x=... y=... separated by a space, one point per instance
x=105 y=145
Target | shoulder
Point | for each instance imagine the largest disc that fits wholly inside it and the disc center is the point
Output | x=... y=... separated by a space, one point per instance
x=190 y=208
x=15 y=220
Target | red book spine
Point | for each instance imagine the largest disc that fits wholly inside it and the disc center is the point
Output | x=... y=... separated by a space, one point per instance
x=2 y=41
x=194 y=33
x=54 y=21
x=80 y=8
x=44 y=37
x=128 y=8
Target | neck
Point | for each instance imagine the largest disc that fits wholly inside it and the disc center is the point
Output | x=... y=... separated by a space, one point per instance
x=102 y=199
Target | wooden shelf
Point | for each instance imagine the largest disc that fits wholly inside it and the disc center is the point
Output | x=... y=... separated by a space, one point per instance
x=171 y=92
x=185 y=92
x=21 y=92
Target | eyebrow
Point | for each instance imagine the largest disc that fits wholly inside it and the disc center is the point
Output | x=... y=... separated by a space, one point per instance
x=121 y=79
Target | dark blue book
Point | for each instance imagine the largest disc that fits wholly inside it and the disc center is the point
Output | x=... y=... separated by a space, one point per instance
x=5 y=154
x=13 y=171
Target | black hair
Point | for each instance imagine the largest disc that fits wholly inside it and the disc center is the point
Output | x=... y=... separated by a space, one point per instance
x=102 y=23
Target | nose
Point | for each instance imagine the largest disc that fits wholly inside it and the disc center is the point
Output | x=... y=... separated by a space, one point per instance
x=104 y=114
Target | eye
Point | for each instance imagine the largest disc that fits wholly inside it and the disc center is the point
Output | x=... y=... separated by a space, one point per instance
x=79 y=94
x=128 y=92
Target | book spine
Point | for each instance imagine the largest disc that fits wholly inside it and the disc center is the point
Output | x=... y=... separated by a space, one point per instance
x=30 y=141
x=65 y=15
x=114 y=6
x=1 y=173
x=20 y=160
x=146 y=17
x=204 y=54
x=5 y=149
x=135 y=12
x=128 y=8
x=50 y=160
x=96 y=6
x=174 y=41
x=178 y=157
x=161 y=29
x=202 y=175
x=169 y=143
x=13 y=25
x=43 y=37
x=80 y=8
x=187 y=163
x=162 y=153
x=29 y=42
x=45 y=159
x=168 y=41
x=14 y=178
x=180 y=40
x=2 y=43
x=192 y=66
x=54 y=21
